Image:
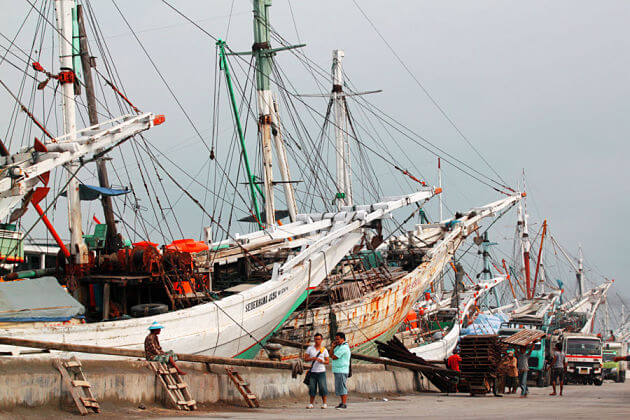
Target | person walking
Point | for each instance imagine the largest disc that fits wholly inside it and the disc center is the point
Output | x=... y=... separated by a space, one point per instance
x=153 y=351
x=317 y=354
x=341 y=368
x=558 y=366
x=522 y=363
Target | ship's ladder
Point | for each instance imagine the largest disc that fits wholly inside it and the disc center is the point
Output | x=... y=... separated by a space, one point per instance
x=243 y=387
x=80 y=389
x=176 y=389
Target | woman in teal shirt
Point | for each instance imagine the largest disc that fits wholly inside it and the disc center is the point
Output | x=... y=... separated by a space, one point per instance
x=341 y=367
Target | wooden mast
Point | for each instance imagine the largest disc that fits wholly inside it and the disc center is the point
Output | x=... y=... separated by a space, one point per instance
x=111 y=241
x=268 y=122
x=63 y=11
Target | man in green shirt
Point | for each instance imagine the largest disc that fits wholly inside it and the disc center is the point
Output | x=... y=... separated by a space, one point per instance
x=341 y=368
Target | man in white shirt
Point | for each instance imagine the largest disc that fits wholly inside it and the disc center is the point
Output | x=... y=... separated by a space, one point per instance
x=317 y=354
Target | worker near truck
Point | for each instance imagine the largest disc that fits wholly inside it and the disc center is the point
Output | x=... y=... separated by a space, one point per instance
x=153 y=351
x=522 y=363
x=559 y=365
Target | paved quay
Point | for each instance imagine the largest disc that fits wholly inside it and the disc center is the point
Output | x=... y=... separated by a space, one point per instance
x=609 y=401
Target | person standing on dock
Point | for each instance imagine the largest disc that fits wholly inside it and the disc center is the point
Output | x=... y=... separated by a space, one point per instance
x=153 y=351
x=522 y=362
x=512 y=372
x=341 y=368
x=452 y=363
x=317 y=377
x=558 y=366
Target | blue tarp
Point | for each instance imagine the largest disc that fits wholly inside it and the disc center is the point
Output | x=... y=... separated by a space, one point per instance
x=485 y=324
x=92 y=192
x=39 y=299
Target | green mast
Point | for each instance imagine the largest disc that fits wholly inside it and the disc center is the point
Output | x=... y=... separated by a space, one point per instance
x=262 y=48
x=223 y=64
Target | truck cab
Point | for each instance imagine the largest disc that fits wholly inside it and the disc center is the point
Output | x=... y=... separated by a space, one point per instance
x=584 y=358
x=611 y=369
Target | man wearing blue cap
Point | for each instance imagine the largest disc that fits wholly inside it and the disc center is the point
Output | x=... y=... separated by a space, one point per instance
x=153 y=351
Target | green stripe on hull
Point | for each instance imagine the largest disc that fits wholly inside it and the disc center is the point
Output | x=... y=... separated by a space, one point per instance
x=369 y=348
x=253 y=351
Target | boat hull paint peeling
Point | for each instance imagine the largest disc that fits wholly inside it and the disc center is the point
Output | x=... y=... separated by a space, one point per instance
x=376 y=315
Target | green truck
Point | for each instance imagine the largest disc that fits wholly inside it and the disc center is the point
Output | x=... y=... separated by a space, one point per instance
x=611 y=369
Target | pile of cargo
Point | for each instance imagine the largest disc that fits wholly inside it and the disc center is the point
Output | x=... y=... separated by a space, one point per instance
x=480 y=355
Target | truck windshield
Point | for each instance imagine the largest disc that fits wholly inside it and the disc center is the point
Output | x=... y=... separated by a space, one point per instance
x=583 y=346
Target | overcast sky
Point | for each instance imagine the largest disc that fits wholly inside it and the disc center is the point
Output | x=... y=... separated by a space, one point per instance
x=540 y=85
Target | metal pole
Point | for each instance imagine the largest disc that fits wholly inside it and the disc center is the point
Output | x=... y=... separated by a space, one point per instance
x=63 y=11
x=112 y=242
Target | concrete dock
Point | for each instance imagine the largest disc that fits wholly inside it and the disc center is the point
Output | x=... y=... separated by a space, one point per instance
x=127 y=389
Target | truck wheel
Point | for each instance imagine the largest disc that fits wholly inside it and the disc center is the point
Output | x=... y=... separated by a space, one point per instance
x=598 y=381
x=622 y=376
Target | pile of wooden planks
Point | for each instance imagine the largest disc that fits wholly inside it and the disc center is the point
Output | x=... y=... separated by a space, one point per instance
x=480 y=355
x=396 y=350
x=524 y=337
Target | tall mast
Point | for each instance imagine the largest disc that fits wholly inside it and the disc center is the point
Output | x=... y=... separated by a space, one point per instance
x=486 y=274
x=580 y=272
x=440 y=185
x=267 y=116
x=111 y=241
x=63 y=11
x=344 y=191
x=525 y=247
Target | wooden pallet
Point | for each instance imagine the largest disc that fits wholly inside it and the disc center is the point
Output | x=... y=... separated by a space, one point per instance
x=76 y=382
x=176 y=389
x=524 y=337
x=243 y=387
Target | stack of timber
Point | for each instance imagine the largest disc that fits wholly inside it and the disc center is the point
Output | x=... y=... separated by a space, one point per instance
x=480 y=355
x=524 y=338
x=396 y=350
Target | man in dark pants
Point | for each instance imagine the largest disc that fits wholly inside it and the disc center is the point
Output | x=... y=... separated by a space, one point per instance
x=522 y=363
x=558 y=366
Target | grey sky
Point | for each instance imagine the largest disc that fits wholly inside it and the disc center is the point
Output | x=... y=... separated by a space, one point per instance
x=540 y=85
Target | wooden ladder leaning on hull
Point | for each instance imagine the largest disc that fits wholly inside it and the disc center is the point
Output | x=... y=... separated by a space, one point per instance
x=80 y=389
x=176 y=389
x=243 y=387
